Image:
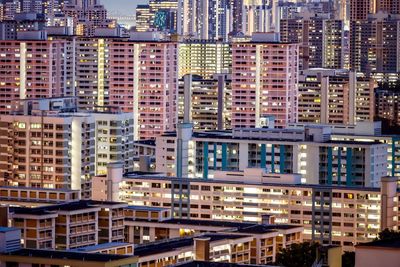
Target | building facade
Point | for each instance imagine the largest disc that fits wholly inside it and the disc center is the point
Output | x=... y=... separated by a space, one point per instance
x=205 y=102
x=264 y=83
x=335 y=96
x=355 y=215
x=321 y=40
x=204 y=58
x=311 y=152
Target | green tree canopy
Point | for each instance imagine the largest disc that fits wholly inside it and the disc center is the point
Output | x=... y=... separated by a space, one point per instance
x=388 y=234
x=298 y=255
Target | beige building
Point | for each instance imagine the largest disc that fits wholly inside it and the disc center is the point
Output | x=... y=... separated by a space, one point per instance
x=205 y=102
x=335 y=97
x=70 y=225
x=378 y=253
x=48 y=144
x=267 y=239
x=351 y=215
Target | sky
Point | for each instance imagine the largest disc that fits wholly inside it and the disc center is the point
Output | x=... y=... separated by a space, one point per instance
x=125 y=7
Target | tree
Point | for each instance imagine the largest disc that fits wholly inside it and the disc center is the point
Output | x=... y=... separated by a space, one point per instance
x=388 y=234
x=348 y=259
x=298 y=255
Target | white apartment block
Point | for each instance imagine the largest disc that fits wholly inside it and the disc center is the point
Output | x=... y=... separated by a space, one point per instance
x=310 y=152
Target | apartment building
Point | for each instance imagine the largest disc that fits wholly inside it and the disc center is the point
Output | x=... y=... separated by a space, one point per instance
x=51 y=145
x=24 y=22
x=144 y=158
x=46 y=151
x=31 y=69
x=335 y=97
x=310 y=152
x=69 y=225
x=87 y=16
x=366 y=132
x=206 y=103
x=331 y=214
x=321 y=39
x=204 y=58
x=374 y=44
x=264 y=82
x=268 y=239
x=386 y=105
x=143 y=17
x=114 y=139
x=359 y=9
x=208 y=247
x=136 y=76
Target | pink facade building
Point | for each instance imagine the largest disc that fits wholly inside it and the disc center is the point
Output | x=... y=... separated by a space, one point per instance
x=31 y=69
x=264 y=83
x=144 y=80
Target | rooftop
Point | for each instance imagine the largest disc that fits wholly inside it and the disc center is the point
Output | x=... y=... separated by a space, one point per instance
x=265 y=228
x=71 y=206
x=146 y=208
x=215 y=264
x=8 y=229
x=99 y=247
x=55 y=254
x=173 y=244
x=228 y=135
x=208 y=223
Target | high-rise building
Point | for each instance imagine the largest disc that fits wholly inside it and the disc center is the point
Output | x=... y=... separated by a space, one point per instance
x=236 y=7
x=143 y=18
x=359 y=9
x=205 y=102
x=11 y=8
x=356 y=214
x=204 y=58
x=387 y=105
x=374 y=44
x=334 y=96
x=321 y=40
x=256 y=16
x=88 y=15
x=2 y=10
x=264 y=82
x=62 y=148
x=143 y=79
x=31 y=69
x=205 y=19
x=138 y=77
x=46 y=151
x=164 y=15
x=22 y=24
x=309 y=151
x=389 y=6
